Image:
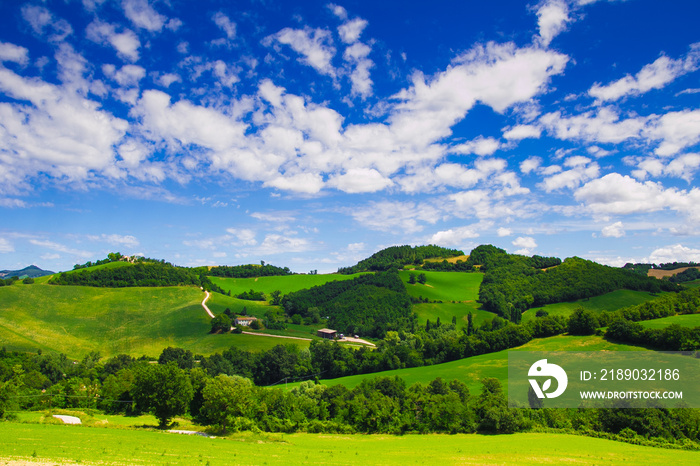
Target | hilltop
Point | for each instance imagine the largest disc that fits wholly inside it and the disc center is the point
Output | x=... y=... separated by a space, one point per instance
x=32 y=272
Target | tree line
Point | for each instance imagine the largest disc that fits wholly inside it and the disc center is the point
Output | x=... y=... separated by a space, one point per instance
x=643 y=268
x=247 y=271
x=179 y=386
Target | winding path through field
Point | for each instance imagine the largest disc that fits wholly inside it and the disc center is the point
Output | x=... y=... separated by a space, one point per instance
x=204 y=305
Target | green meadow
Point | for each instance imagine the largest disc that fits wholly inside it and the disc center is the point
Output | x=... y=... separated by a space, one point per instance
x=445 y=286
x=286 y=284
x=458 y=292
x=472 y=370
x=135 y=321
x=608 y=302
x=445 y=311
x=688 y=320
x=51 y=444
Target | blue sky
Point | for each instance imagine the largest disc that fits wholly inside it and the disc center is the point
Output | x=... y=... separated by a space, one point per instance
x=311 y=135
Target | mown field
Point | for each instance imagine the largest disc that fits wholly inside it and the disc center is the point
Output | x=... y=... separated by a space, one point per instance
x=51 y=444
x=472 y=370
x=135 y=321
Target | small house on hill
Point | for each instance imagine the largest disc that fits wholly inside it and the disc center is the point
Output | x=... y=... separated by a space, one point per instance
x=244 y=321
x=327 y=333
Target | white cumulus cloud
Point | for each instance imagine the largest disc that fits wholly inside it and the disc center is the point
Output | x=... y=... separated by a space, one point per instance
x=616 y=230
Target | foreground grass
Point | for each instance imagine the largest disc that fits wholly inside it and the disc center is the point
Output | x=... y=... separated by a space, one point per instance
x=136 y=321
x=84 y=445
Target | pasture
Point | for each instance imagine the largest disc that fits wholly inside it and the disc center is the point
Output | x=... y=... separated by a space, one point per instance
x=51 y=444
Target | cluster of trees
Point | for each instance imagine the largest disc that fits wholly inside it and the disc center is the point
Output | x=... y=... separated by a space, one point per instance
x=8 y=281
x=369 y=305
x=248 y=270
x=398 y=256
x=444 y=266
x=252 y=295
x=178 y=385
x=420 y=278
x=144 y=273
x=512 y=283
x=687 y=275
x=672 y=338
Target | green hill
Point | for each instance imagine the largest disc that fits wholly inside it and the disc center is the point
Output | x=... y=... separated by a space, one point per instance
x=136 y=321
x=32 y=271
x=398 y=256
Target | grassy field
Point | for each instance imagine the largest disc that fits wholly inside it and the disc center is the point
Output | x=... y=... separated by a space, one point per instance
x=286 y=284
x=607 y=302
x=135 y=321
x=445 y=286
x=458 y=292
x=445 y=311
x=51 y=444
x=689 y=320
x=472 y=370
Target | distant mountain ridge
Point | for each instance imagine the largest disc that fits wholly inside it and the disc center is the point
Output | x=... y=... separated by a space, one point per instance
x=32 y=271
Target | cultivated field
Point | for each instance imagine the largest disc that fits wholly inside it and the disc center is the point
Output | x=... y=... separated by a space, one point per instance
x=451 y=260
x=658 y=273
x=51 y=444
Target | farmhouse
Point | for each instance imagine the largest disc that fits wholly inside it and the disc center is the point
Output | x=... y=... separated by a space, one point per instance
x=327 y=333
x=244 y=321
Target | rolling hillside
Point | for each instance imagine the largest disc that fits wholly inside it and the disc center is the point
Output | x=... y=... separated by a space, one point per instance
x=142 y=321
x=135 y=321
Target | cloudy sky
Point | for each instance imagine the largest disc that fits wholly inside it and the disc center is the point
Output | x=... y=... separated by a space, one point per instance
x=312 y=135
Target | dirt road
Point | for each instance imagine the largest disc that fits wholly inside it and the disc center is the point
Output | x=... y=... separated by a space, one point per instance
x=204 y=305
